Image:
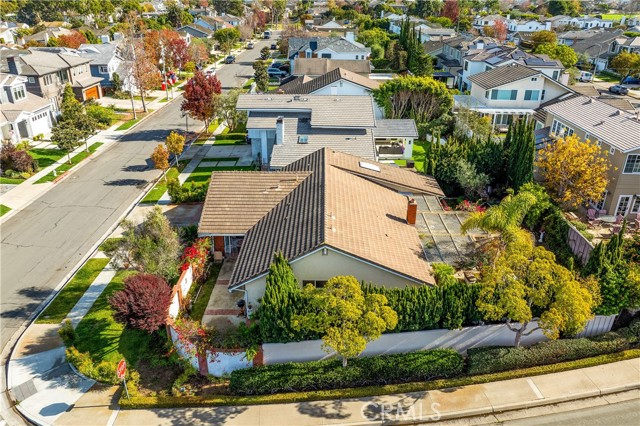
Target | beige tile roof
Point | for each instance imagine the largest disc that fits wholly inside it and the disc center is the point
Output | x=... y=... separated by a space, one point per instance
x=237 y=200
x=319 y=66
x=340 y=206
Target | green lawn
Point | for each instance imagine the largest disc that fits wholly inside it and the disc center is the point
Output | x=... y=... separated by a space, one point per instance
x=418 y=156
x=46 y=157
x=212 y=126
x=10 y=181
x=161 y=187
x=4 y=209
x=146 y=98
x=202 y=174
x=58 y=310
x=128 y=124
x=229 y=141
x=609 y=78
x=614 y=16
x=105 y=339
x=200 y=304
x=164 y=100
x=74 y=161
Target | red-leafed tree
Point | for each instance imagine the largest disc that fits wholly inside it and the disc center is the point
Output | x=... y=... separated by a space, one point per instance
x=178 y=52
x=200 y=95
x=73 y=40
x=450 y=10
x=500 y=30
x=143 y=303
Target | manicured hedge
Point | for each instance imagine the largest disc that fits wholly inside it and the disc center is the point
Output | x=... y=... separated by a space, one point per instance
x=140 y=402
x=329 y=374
x=494 y=359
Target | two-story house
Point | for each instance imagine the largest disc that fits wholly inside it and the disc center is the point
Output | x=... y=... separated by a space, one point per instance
x=509 y=92
x=345 y=48
x=284 y=128
x=48 y=72
x=23 y=115
x=213 y=23
x=626 y=44
x=616 y=131
x=487 y=21
x=105 y=60
x=516 y=25
x=600 y=48
x=196 y=30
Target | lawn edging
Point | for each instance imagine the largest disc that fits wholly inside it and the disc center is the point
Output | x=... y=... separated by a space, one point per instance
x=142 y=402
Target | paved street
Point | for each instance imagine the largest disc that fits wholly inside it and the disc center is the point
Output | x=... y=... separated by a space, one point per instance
x=43 y=243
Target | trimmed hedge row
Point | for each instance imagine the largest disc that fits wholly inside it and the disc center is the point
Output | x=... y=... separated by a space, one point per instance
x=329 y=374
x=494 y=359
x=140 y=402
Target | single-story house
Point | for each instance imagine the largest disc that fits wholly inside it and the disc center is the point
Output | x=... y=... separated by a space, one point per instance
x=329 y=213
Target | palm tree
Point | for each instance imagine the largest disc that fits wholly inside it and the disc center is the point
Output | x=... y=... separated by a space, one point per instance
x=504 y=219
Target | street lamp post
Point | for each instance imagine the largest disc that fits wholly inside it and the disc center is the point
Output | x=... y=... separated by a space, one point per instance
x=164 y=71
x=596 y=59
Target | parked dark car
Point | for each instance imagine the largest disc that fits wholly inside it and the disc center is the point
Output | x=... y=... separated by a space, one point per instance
x=229 y=59
x=618 y=89
x=277 y=72
x=631 y=81
x=274 y=46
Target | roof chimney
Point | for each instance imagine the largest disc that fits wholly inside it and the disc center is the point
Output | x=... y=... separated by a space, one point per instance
x=349 y=36
x=279 y=130
x=412 y=211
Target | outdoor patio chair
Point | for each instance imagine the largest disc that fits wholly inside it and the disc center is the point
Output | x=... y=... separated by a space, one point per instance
x=619 y=219
x=602 y=212
x=592 y=219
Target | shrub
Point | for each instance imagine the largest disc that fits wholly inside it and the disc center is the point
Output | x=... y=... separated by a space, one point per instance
x=67 y=333
x=104 y=371
x=11 y=158
x=496 y=359
x=143 y=303
x=329 y=374
x=189 y=192
x=103 y=115
x=24 y=145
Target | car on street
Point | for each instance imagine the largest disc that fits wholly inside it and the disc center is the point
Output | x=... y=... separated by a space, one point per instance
x=229 y=59
x=274 y=46
x=631 y=81
x=585 y=76
x=619 y=90
x=267 y=34
x=250 y=45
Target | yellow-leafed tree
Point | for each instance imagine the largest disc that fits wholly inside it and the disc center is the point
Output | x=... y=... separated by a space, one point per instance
x=175 y=144
x=160 y=158
x=574 y=171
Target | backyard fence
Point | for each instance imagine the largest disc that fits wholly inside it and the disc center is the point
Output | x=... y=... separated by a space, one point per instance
x=392 y=343
x=580 y=245
x=216 y=362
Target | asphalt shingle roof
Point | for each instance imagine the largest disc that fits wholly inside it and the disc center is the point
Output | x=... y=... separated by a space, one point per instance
x=338 y=45
x=320 y=66
x=502 y=75
x=100 y=54
x=334 y=207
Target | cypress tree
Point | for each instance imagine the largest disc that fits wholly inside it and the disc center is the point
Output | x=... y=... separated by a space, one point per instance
x=519 y=148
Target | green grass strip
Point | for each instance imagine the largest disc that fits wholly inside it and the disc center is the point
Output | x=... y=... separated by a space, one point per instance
x=137 y=402
x=4 y=209
x=58 y=310
x=11 y=181
x=128 y=124
x=74 y=161
x=46 y=156
x=161 y=187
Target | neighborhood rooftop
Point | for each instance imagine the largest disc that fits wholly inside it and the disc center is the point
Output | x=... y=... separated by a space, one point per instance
x=326 y=79
x=502 y=75
x=345 y=204
x=320 y=66
x=326 y=111
x=600 y=120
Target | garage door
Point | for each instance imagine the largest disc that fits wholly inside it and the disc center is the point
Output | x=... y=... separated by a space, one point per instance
x=92 y=93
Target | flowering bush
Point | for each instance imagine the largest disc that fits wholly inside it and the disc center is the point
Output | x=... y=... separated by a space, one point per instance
x=195 y=337
x=195 y=256
x=468 y=206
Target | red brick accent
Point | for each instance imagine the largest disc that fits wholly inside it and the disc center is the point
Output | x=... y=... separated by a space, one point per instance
x=202 y=365
x=412 y=211
x=259 y=358
x=218 y=244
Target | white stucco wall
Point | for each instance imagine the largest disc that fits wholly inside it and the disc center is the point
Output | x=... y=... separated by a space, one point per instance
x=221 y=363
x=317 y=266
x=551 y=89
x=343 y=88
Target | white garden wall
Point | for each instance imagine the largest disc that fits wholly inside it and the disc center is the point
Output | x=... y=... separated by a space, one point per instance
x=460 y=340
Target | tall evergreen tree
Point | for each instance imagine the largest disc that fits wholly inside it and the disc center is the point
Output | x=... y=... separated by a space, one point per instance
x=519 y=147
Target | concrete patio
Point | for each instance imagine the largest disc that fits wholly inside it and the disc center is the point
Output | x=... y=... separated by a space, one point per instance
x=222 y=310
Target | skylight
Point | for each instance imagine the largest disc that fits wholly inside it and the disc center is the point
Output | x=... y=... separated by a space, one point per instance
x=303 y=139
x=369 y=166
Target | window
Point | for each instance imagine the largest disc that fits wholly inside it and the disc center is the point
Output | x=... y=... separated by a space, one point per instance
x=103 y=70
x=542 y=96
x=531 y=95
x=599 y=204
x=504 y=95
x=560 y=129
x=612 y=151
x=555 y=75
x=48 y=80
x=327 y=55
x=486 y=94
x=534 y=78
x=635 y=206
x=466 y=65
x=623 y=205
x=18 y=93
x=632 y=165
x=32 y=80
